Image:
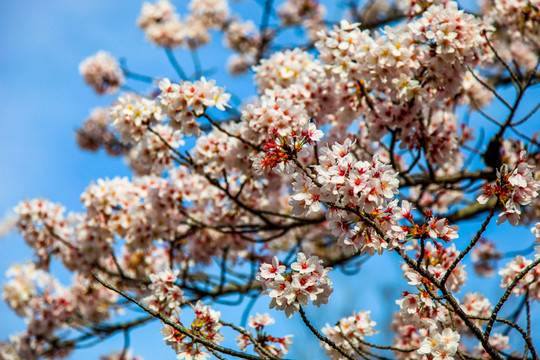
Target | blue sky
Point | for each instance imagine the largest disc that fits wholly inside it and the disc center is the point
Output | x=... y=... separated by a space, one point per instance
x=43 y=101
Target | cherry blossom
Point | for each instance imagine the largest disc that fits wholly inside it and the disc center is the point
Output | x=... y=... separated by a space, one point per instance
x=183 y=102
x=206 y=324
x=348 y=333
x=529 y=283
x=130 y=116
x=499 y=342
x=290 y=290
x=441 y=345
x=276 y=346
x=166 y=297
x=102 y=73
x=513 y=188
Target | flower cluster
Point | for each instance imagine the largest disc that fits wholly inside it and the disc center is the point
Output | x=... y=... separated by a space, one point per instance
x=265 y=342
x=158 y=13
x=167 y=297
x=438 y=260
x=138 y=263
x=453 y=42
x=302 y=80
x=275 y=109
x=473 y=93
x=433 y=228
x=348 y=333
x=138 y=211
x=516 y=36
x=529 y=283
x=499 y=342
x=153 y=154
x=283 y=69
x=279 y=151
x=163 y=27
x=48 y=307
x=93 y=303
x=477 y=305
x=307 y=280
x=518 y=18
x=513 y=154
x=101 y=72
x=107 y=196
x=397 y=72
x=441 y=345
x=132 y=114
x=206 y=325
x=95 y=133
x=420 y=311
x=23 y=286
x=50 y=312
x=41 y=223
x=407 y=337
x=344 y=183
x=161 y=24
x=147 y=209
x=433 y=129
x=309 y=13
x=212 y=13
x=183 y=102
x=144 y=139
x=513 y=188
x=216 y=151
x=292 y=12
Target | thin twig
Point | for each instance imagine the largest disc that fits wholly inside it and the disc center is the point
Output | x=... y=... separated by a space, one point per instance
x=321 y=337
x=473 y=242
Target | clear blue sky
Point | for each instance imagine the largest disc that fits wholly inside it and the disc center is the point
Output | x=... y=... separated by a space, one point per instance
x=43 y=100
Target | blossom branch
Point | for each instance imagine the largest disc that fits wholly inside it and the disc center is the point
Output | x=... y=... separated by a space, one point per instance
x=321 y=337
x=507 y=294
x=469 y=247
x=182 y=330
